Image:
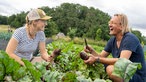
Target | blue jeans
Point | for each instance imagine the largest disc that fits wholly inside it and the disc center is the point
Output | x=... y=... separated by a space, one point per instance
x=144 y=79
x=137 y=78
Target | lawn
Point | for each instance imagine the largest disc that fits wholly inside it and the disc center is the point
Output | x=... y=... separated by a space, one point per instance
x=4 y=28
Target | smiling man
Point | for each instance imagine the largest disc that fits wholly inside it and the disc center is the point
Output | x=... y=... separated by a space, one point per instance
x=123 y=44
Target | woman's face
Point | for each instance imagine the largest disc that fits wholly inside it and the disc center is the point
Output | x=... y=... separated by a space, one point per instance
x=115 y=26
x=40 y=25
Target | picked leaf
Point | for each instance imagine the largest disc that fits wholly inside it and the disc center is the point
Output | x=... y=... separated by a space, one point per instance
x=125 y=69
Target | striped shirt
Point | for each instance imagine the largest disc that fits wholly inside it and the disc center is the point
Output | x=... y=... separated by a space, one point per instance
x=27 y=46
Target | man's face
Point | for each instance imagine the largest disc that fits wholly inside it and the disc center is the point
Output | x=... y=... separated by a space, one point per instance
x=115 y=26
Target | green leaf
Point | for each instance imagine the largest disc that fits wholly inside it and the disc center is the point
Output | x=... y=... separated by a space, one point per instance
x=33 y=71
x=11 y=65
x=3 y=56
x=83 y=79
x=99 y=80
x=70 y=77
x=19 y=73
x=51 y=76
x=41 y=66
x=2 y=71
x=125 y=69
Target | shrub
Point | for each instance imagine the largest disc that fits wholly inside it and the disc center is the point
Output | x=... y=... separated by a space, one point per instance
x=4 y=38
x=5 y=35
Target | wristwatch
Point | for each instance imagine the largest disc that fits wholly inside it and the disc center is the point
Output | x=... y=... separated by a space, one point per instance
x=98 y=60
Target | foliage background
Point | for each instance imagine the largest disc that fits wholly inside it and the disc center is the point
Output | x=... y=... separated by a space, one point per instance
x=73 y=20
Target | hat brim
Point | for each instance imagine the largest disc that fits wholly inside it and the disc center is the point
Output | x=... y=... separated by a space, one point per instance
x=46 y=18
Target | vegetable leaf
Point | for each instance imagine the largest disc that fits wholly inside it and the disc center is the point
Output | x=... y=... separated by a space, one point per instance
x=33 y=71
x=125 y=69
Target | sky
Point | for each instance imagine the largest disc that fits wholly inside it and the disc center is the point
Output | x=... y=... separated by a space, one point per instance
x=134 y=9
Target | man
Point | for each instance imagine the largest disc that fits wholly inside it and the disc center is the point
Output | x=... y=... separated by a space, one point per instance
x=123 y=44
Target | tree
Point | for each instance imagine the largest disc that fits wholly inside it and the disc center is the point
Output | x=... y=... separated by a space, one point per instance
x=138 y=34
x=98 y=34
x=51 y=29
x=3 y=20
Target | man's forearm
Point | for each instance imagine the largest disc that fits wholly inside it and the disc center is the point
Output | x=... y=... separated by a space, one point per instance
x=109 y=61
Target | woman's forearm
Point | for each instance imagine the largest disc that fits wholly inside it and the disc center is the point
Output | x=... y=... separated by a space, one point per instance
x=45 y=56
x=16 y=58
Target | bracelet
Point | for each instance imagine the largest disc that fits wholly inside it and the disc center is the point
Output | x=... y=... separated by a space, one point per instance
x=98 y=60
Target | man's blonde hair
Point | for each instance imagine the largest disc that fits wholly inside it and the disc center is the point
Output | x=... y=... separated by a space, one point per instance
x=123 y=22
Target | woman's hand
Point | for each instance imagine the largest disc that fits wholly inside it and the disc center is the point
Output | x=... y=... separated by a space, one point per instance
x=50 y=59
x=54 y=54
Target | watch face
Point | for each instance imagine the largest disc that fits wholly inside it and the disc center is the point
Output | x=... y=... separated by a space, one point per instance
x=98 y=60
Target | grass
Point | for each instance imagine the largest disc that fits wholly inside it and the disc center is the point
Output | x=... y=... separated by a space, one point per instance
x=4 y=28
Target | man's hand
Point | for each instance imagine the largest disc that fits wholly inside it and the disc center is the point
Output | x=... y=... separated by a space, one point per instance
x=88 y=49
x=91 y=59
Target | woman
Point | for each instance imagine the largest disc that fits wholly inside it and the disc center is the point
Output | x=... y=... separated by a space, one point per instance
x=26 y=39
x=123 y=44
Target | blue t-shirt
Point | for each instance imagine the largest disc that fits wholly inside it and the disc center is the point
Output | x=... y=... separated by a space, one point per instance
x=129 y=42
